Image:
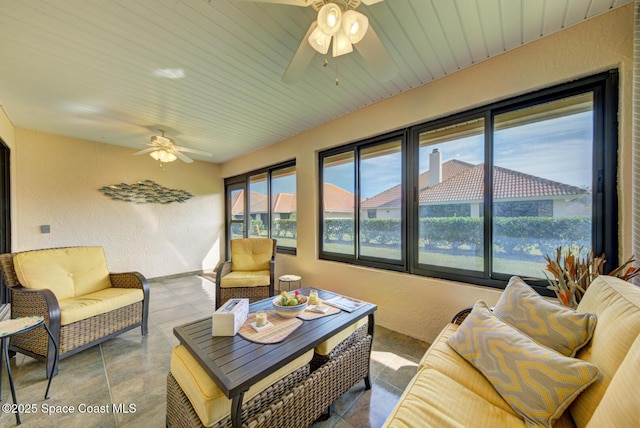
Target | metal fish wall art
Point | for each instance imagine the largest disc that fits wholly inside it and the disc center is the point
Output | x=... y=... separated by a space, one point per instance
x=145 y=192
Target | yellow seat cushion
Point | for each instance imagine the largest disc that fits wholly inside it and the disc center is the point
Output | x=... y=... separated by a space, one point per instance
x=208 y=401
x=327 y=346
x=99 y=302
x=246 y=279
x=441 y=357
x=433 y=399
x=251 y=254
x=67 y=272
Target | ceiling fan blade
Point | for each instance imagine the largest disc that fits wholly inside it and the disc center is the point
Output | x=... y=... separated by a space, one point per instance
x=194 y=151
x=301 y=59
x=289 y=2
x=376 y=56
x=145 y=151
x=370 y=2
x=182 y=157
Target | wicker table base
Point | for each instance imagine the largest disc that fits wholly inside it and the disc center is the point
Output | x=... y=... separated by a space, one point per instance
x=286 y=404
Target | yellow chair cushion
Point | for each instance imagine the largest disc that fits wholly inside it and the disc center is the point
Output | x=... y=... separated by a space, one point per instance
x=251 y=254
x=99 y=302
x=327 y=346
x=67 y=272
x=208 y=401
x=620 y=406
x=246 y=279
x=616 y=303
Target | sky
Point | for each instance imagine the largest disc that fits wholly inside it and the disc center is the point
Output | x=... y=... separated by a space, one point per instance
x=558 y=149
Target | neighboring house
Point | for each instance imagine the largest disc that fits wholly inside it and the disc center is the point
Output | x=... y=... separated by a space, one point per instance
x=456 y=189
x=338 y=203
x=284 y=206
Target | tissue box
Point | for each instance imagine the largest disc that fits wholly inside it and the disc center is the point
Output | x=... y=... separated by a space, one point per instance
x=228 y=319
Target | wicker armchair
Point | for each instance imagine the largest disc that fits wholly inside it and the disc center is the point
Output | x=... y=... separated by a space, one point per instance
x=78 y=335
x=249 y=273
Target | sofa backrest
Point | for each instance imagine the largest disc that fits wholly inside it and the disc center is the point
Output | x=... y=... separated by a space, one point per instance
x=251 y=254
x=620 y=405
x=616 y=304
x=67 y=272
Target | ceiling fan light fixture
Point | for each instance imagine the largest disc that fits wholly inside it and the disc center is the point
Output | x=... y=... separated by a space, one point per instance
x=320 y=41
x=355 y=25
x=341 y=44
x=163 y=156
x=330 y=19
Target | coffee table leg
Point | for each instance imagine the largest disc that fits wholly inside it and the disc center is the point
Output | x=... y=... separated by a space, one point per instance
x=370 y=328
x=236 y=410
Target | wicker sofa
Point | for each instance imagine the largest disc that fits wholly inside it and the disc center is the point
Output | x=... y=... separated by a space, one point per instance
x=82 y=302
x=451 y=391
x=300 y=396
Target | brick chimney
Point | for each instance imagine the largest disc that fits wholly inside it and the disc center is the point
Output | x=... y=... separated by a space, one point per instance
x=435 y=168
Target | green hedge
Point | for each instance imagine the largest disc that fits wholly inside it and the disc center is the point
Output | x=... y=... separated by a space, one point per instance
x=511 y=234
x=285 y=227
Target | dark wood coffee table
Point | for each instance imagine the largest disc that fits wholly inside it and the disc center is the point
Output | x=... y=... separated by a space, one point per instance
x=235 y=364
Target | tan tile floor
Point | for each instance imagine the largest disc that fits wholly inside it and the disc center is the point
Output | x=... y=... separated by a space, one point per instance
x=130 y=371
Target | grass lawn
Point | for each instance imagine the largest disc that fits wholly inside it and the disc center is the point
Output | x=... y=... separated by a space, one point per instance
x=501 y=264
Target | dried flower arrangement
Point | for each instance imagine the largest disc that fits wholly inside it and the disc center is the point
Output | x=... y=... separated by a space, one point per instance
x=573 y=269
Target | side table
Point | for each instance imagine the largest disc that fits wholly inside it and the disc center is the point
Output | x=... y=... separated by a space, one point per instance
x=14 y=327
x=289 y=279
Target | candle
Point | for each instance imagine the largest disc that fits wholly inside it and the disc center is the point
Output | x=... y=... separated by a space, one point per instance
x=261 y=319
x=313 y=297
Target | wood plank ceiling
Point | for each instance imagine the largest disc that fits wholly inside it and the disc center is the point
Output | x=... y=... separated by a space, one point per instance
x=100 y=69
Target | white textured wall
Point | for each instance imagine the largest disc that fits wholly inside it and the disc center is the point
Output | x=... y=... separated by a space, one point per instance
x=420 y=306
x=56 y=182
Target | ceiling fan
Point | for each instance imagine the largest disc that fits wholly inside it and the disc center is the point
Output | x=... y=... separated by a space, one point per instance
x=341 y=26
x=164 y=149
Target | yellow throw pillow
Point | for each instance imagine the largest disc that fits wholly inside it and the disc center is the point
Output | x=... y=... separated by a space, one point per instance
x=549 y=324
x=537 y=382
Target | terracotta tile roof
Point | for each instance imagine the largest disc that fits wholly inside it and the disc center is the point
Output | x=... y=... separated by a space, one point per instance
x=390 y=198
x=257 y=200
x=509 y=184
x=337 y=199
x=284 y=203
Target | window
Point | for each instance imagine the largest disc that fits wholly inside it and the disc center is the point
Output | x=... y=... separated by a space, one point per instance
x=362 y=202
x=258 y=212
x=481 y=195
x=450 y=187
x=338 y=204
x=542 y=176
x=283 y=206
x=268 y=197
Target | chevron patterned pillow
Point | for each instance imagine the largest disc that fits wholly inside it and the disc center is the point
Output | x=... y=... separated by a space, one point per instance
x=537 y=382
x=549 y=324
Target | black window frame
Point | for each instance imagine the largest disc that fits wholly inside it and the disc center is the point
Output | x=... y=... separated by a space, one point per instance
x=603 y=86
x=396 y=265
x=242 y=182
